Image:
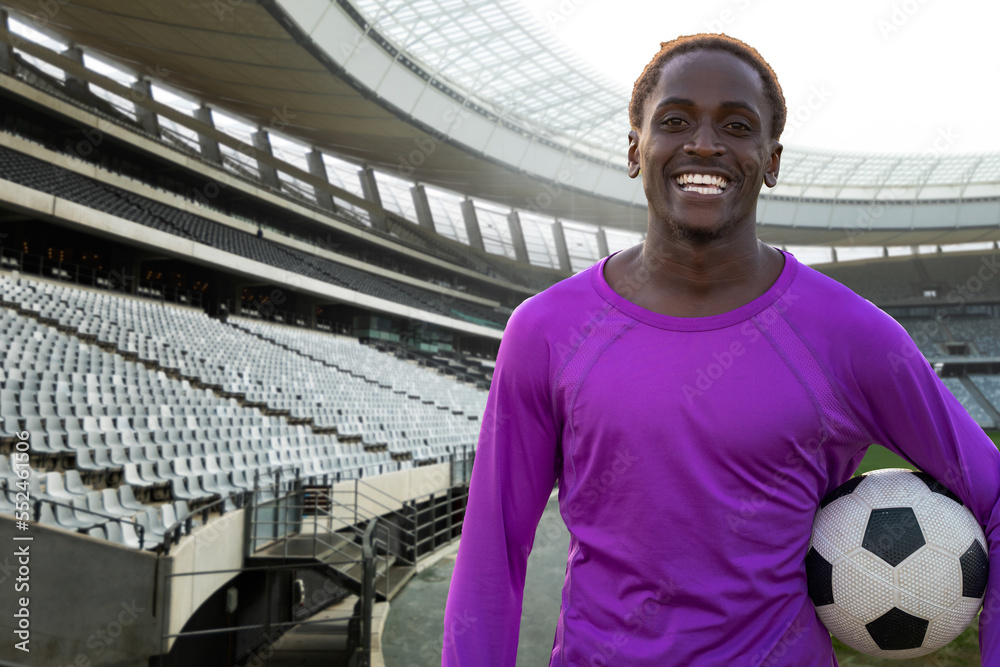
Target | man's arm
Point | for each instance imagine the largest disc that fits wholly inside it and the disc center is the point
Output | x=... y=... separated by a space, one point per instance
x=514 y=473
x=910 y=411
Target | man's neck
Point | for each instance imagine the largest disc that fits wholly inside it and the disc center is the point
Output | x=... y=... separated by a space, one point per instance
x=693 y=277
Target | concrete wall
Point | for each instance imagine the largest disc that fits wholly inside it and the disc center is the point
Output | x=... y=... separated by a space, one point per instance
x=385 y=493
x=388 y=492
x=90 y=602
x=210 y=548
x=96 y=603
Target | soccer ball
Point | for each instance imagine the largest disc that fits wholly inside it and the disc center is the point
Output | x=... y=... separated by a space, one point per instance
x=896 y=565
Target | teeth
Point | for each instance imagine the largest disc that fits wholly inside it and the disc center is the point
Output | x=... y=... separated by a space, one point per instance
x=691 y=180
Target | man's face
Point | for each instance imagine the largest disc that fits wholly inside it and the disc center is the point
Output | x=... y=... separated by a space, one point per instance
x=705 y=145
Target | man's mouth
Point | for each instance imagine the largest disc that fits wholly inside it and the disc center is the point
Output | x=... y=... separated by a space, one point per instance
x=705 y=184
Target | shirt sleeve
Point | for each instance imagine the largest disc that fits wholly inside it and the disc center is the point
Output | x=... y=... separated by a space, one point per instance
x=909 y=410
x=512 y=478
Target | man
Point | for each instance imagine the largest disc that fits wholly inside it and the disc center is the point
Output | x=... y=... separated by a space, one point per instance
x=695 y=396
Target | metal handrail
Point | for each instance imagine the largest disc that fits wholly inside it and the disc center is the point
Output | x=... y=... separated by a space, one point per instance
x=349 y=561
x=77 y=274
x=358 y=481
x=172 y=533
x=387 y=541
x=345 y=525
x=435 y=532
x=379 y=541
x=362 y=655
x=240 y=500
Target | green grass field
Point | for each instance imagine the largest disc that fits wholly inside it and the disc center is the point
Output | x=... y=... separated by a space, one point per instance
x=964 y=651
x=879 y=457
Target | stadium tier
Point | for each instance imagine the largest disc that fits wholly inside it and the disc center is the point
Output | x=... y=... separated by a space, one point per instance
x=162 y=403
x=73 y=187
x=935 y=278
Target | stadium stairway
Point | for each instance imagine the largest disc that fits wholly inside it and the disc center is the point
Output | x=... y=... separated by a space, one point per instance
x=406 y=535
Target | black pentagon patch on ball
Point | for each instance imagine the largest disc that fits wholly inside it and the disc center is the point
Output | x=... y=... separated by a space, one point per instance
x=937 y=487
x=975 y=568
x=895 y=630
x=893 y=534
x=842 y=490
x=819 y=578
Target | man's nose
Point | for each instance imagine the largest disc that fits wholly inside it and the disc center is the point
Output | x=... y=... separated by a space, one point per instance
x=704 y=141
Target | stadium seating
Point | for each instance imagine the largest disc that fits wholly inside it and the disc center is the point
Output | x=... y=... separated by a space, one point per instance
x=968 y=402
x=983 y=333
x=989 y=385
x=133 y=404
x=932 y=336
x=904 y=280
x=928 y=335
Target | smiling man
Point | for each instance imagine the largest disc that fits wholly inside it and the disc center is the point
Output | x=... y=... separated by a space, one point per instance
x=695 y=397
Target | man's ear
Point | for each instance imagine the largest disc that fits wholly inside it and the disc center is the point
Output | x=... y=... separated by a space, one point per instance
x=633 y=154
x=774 y=163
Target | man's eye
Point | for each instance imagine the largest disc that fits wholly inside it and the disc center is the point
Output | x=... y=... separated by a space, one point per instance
x=673 y=121
x=737 y=125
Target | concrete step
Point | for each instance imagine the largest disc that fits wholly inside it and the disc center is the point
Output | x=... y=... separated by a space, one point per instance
x=325 y=644
x=322 y=644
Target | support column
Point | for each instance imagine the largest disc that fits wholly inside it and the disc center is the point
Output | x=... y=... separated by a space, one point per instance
x=423 y=206
x=268 y=174
x=318 y=169
x=75 y=84
x=602 y=243
x=833 y=252
x=369 y=187
x=144 y=91
x=6 y=50
x=472 y=225
x=517 y=236
x=124 y=268
x=209 y=147
x=562 y=250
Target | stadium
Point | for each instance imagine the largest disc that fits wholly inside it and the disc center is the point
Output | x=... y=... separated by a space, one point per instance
x=256 y=259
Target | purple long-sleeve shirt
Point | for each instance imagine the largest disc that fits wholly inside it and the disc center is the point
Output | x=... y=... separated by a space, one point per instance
x=691 y=456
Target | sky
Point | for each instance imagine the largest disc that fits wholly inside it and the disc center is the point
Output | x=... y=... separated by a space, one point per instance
x=873 y=76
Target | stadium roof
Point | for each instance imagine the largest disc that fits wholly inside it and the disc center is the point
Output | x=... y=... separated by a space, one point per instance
x=470 y=96
x=499 y=54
